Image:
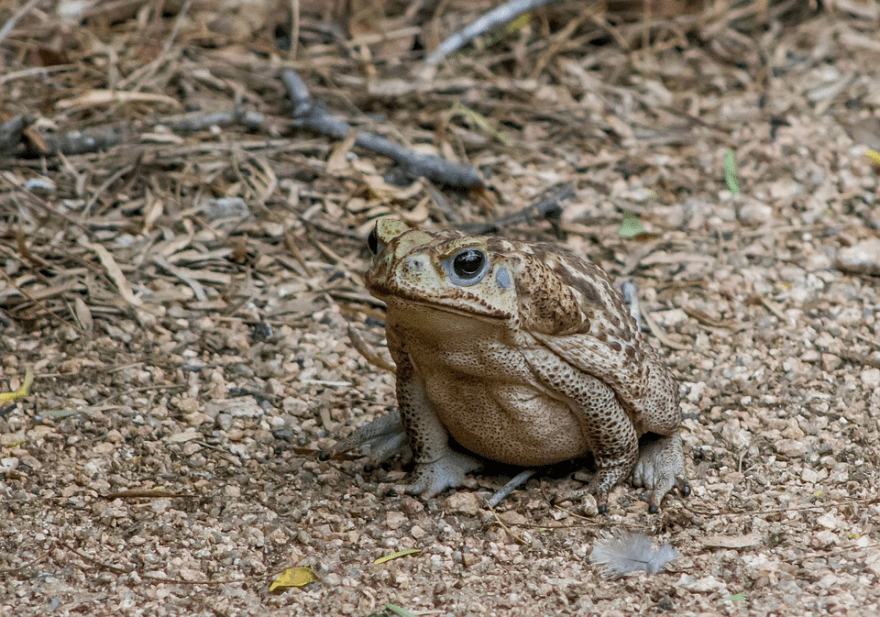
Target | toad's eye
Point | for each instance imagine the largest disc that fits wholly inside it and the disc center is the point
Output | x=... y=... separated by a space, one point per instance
x=467 y=267
x=373 y=242
x=468 y=263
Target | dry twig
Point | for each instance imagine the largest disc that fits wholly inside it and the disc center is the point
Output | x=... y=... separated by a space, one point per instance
x=9 y=26
x=487 y=22
x=311 y=114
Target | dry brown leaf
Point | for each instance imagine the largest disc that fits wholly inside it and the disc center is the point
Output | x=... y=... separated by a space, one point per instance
x=718 y=541
x=152 y=211
x=338 y=161
x=106 y=97
x=83 y=314
x=115 y=273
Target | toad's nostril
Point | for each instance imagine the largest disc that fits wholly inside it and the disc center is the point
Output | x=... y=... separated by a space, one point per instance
x=415 y=264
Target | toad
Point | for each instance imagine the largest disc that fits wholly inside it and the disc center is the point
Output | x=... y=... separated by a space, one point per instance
x=521 y=354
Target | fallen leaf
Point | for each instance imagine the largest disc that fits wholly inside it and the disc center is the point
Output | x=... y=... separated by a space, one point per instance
x=294 y=577
x=22 y=392
x=631 y=226
x=115 y=273
x=409 y=551
x=751 y=539
x=730 y=172
x=397 y=610
x=187 y=435
x=83 y=314
x=106 y=97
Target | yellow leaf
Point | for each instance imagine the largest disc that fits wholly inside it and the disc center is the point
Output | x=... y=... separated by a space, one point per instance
x=873 y=155
x=409 y=551
x=481 y=121
x=294 y=577
x=22 y=392
x=519 y=22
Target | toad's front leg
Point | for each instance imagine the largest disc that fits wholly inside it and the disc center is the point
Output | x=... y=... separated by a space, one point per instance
x=438 y=466
x=382 y=438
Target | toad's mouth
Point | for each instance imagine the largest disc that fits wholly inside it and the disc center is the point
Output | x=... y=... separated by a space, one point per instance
x=474 y=307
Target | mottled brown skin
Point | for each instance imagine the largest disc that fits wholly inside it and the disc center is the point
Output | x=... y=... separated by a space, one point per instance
x=532 y=360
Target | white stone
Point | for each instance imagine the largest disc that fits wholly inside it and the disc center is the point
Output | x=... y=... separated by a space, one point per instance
x=464 y=502
x=871 y=377
x=791 y=448
x=243 y=407
x=863 y=258
x=706 y=584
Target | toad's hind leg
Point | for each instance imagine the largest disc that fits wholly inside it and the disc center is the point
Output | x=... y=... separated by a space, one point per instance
x=607 y=429
x=660 y=467
x=611 y=470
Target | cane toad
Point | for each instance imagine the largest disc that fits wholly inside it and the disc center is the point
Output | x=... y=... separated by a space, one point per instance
x=523 y=355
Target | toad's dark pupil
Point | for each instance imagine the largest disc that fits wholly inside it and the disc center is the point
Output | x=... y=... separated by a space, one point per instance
x=373 y=242
x=469 y=262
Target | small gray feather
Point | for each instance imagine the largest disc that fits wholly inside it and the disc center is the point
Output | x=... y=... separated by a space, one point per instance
x=618 y=553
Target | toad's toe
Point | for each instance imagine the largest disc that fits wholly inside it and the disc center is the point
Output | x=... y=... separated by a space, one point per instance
x=661 y=468
x=433 y=478
x=383 y=438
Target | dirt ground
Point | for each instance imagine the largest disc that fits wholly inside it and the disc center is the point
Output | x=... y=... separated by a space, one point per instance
x=211 y=357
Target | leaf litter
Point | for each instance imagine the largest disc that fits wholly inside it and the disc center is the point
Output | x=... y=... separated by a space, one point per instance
x=172 y=239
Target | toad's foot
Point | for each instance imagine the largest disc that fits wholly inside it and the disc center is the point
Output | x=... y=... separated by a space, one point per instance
x=432 y=478
x=660 y=468
x=384 y=437
x=609 y=473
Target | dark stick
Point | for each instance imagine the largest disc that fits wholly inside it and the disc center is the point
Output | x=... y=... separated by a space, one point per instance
x=202 y=121
x=547 y=208
x=10 y=134
x=483 y=24
x=312 y=115
x=513 y=484
x=87 y=140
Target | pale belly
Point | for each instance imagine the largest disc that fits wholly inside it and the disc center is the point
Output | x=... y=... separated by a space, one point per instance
x=514 y=424
x=483 y=391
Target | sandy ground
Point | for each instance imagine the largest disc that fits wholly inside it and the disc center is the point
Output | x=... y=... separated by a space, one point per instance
x=219 y=381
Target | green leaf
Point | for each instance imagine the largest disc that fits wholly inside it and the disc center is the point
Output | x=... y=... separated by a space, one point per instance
x=402 y=612
x=730 y=172
x=56 y=414
x=631 y=226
